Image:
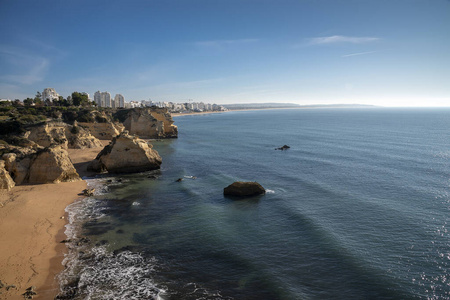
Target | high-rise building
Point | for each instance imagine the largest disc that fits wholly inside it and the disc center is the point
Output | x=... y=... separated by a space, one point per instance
x=103 y=99
x=98 y=99
x=119 y=101
x=106 y=96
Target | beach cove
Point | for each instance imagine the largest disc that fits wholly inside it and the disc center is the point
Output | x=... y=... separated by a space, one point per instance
x=32 y=220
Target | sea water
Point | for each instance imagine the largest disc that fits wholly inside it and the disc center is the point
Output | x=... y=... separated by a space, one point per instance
x=357 y=208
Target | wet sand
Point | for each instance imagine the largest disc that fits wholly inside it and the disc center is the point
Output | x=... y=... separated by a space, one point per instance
x=32 y=220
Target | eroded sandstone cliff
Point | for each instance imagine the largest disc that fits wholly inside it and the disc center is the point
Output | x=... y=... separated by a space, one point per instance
x=103 y=131
x=126 y=154
x=41 y=165
x=148 y=123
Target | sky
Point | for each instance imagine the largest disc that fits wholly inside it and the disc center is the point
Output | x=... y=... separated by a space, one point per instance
x=378 y=52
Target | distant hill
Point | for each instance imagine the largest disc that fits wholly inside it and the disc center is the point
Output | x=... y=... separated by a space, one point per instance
x=290 y=105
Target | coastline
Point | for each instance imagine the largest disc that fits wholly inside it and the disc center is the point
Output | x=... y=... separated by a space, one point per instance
x=32 y=224
x=174 y=115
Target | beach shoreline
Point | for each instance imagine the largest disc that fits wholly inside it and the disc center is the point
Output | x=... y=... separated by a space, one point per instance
x=32 y=225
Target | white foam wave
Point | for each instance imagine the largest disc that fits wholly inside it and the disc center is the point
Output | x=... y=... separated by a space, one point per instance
x=270 y=191
x=100 y=274
x=94 y=272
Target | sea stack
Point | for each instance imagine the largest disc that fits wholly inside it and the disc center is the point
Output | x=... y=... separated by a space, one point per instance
x=126 y=154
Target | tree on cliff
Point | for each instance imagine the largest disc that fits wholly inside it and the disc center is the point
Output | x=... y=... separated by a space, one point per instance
x=80 y=99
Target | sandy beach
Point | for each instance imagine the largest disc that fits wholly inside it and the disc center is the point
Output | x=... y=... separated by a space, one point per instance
x=32 y=220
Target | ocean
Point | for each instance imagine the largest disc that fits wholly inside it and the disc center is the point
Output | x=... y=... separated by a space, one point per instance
x=357 y=208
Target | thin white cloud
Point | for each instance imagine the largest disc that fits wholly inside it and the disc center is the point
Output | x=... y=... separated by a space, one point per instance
x=223 y=43
x=26 y=67
x=359 y=53
x=334 y=39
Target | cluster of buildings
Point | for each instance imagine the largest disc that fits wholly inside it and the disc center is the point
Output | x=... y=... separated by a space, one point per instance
x=178 y=107
x=104 y=99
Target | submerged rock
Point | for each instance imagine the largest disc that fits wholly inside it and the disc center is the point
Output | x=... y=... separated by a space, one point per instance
x=243 y=189
x=126 y=154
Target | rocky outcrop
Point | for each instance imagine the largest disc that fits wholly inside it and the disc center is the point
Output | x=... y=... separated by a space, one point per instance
x=48 y=134
x=18 y=163
x=80 y=138
x=149 y=123
x=103 y=131
x=52 y=165
x=45 y=165
x=126 y=154
x=243 y=189
x=6 y=182
x=62 y=134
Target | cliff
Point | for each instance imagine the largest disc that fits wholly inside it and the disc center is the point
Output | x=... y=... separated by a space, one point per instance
x=33 y=145
x=103 y=131
x=48 y=134
x=149 y=123
x=38 y=165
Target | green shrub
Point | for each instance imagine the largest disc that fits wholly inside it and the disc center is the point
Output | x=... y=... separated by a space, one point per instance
x=75 y=130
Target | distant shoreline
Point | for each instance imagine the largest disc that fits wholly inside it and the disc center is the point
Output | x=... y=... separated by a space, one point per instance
x=276 y=108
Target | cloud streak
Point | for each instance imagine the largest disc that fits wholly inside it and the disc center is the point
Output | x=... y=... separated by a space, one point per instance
x=335 y=39
x=359 y=53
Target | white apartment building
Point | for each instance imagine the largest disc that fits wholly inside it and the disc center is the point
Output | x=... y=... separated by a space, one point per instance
x=103 y=99
x=49 y=94
x=119 y=101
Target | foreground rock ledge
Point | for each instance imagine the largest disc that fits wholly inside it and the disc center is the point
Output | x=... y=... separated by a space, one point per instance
x=244 y=189
x=126 y=154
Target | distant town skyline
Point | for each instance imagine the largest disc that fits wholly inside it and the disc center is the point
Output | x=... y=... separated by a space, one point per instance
x=378 y=52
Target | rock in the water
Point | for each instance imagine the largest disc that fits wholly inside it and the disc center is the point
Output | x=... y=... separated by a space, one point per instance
x=88 y=192
x=6 y=181
x=52 y=165
x=285 y=147
x=126 y=154
x=179 y=180
x=243 y=189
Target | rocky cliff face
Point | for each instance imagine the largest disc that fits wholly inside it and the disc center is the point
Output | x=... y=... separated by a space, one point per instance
x=149 y=123
x=103 y=131
x=52 y=165
x=44 y=165
x=48 y=134
x=62 y=134
x=80 y=138
x=6 y=182
x=126 y=154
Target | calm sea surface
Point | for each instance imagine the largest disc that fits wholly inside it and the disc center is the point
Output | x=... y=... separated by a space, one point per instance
x=357 y=208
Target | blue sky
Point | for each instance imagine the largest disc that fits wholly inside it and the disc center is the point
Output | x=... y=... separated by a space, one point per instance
x=390 y=53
